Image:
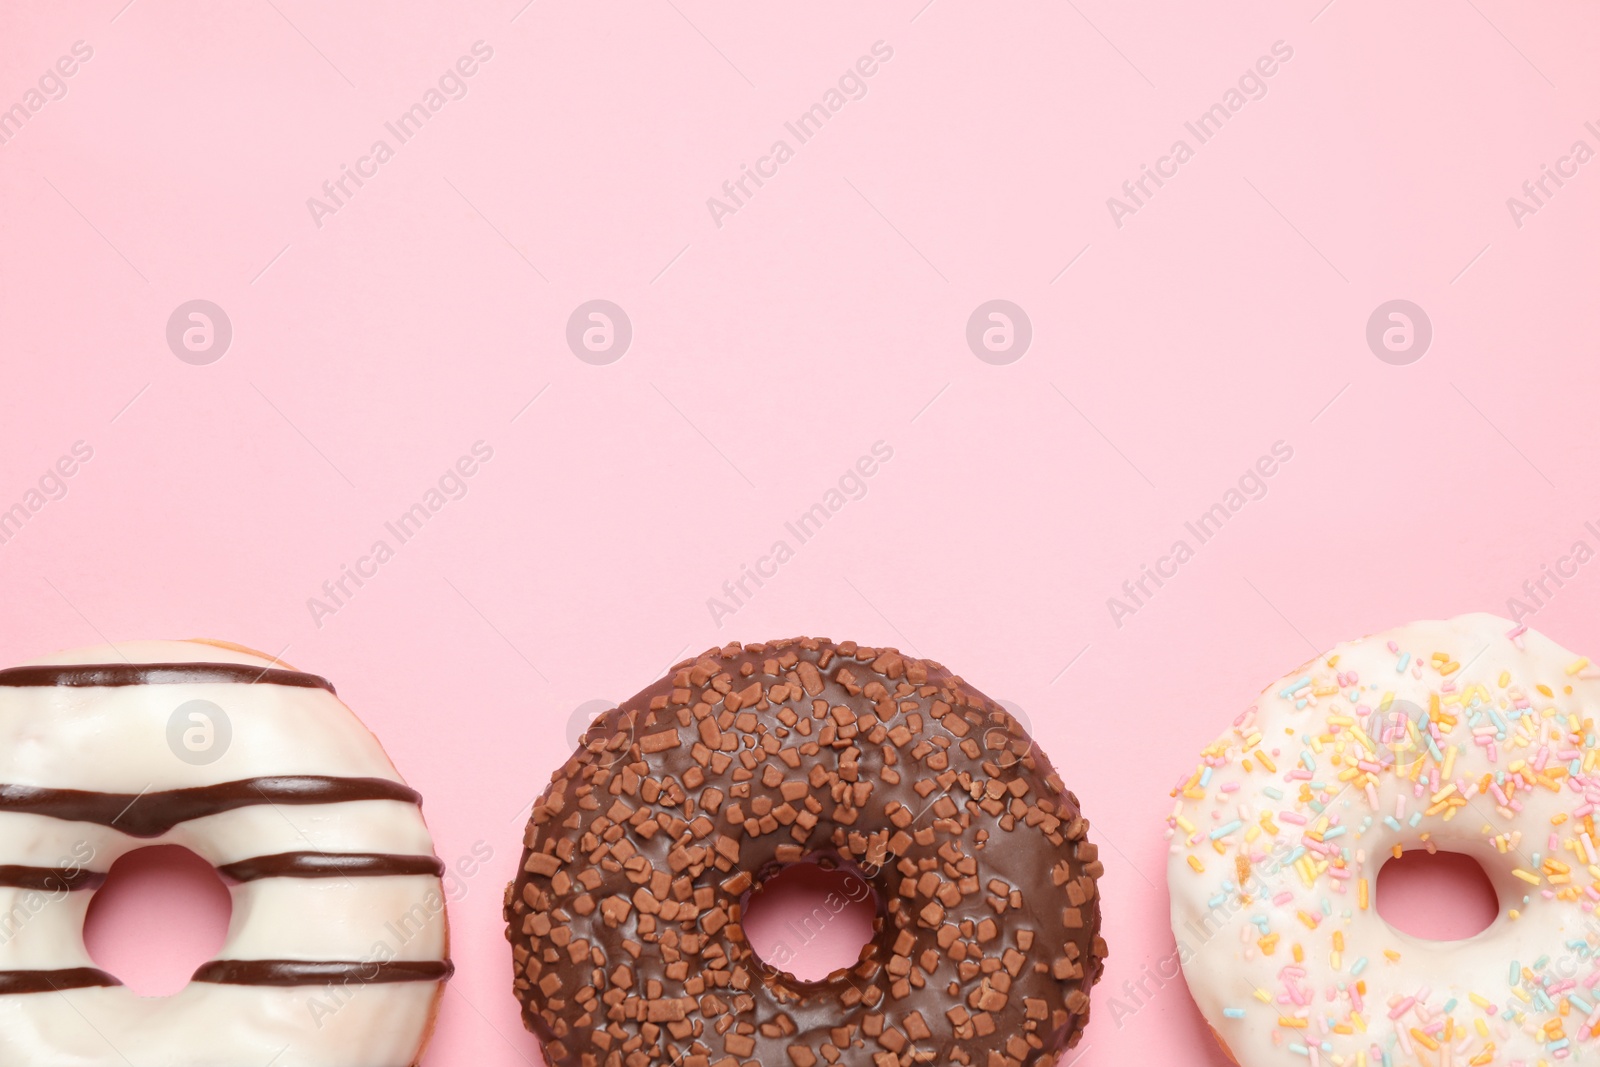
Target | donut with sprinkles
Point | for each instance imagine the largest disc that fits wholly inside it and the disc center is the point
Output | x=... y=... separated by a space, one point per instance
x=641 y=856
x=1473 y=736
x=337 y=950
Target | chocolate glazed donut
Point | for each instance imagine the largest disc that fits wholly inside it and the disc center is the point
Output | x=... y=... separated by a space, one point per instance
x=624 y=920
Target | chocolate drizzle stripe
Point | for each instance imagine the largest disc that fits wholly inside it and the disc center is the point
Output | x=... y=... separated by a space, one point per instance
x=321 y=972
x=153 y=814
x=51 y=981
x=331 y=865
x=50 y=879
x=80 y=675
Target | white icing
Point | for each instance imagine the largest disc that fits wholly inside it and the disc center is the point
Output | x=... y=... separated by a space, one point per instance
x=267 y=829
x=207 y=1025
x=260 y=830
x=398 y=917
x=115 y=739
x=55 y=731
x=41 y=930
x=1218 y=937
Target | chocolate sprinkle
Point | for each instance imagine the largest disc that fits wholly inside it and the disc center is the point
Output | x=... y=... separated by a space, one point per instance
x=625 y=918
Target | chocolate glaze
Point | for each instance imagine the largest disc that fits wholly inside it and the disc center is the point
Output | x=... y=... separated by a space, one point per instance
x=51 y=981
x=322 y=972
x=624 y=918
x=124 y=674
x=153 y=814
x=246 y=972
x=331 y=865
x=50 y=879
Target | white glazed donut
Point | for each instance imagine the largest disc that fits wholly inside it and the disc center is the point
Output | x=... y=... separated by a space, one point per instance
x=1471 y=736
x=337 y=950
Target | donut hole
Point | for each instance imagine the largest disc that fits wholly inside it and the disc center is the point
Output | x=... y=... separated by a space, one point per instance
x=809 y=921
x=1439 y=896
x=162 y=912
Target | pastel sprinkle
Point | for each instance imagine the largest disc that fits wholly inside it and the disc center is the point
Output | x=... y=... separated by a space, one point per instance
x=1345 y=764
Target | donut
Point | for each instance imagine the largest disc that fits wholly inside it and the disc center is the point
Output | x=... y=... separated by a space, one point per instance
x=641 y=856
x=336 y=953
x=1473 y=736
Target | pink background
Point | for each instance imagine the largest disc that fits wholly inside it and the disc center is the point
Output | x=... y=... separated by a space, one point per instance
x=827 y=313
